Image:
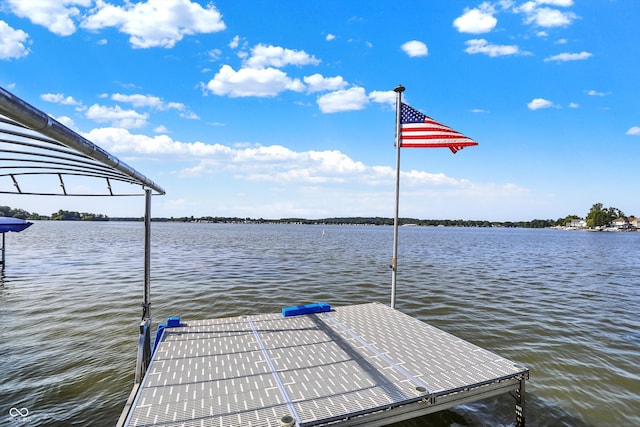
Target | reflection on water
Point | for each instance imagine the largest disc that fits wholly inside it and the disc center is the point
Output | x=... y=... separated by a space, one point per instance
x=565 y=304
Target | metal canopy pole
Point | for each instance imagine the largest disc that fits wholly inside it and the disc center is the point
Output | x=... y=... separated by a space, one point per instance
x=394 y=266
x=146 y=312
x=144 y=341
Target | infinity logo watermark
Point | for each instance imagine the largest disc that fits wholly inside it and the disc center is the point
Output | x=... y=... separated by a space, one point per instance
x=18 y=412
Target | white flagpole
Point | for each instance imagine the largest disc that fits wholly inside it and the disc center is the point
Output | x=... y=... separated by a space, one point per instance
x=394 y=266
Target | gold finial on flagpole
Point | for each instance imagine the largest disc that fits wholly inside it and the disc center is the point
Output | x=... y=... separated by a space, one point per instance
x=399 y=89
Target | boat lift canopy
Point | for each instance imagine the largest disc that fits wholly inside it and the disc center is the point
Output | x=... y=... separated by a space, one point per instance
x=34 y=146
x=32 y=143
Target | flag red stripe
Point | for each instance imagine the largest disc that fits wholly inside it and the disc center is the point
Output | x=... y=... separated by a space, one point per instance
x=436 y=136
x=436 y=144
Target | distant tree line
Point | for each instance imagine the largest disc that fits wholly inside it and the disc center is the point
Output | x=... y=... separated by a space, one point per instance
x=15 y=213
x=61 y=215
x=598 y=216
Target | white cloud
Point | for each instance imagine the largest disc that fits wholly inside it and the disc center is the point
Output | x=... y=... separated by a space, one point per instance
x=265 y=154
x=139 y=100
x=281 y=165
x=545 y=16
x=12 y=42
x=595 y=93
x=476 y=21
x=59 y=98
x=351 y=99
x=539 y=103
x=318 y=83
x=278 y=164
x=564 y=57
x=330 y=37
x=118 y=117
x=214 y=54
x=68 y=122
x=273 y=163
x=276 y=56
x=119 y=140
x=333 y=163
x=415 y=48
x=383 y=97
x=174 y=106
x=156 y=23
x=423 y=177
x=574 y=105
x=266 y=82
x=189 y=115
x=235 y=41
x=243 y=55
x=299 y=181
x=562 y=3
x=635 y=130
x=527 y=7
x=55 y=15
x=482 y=46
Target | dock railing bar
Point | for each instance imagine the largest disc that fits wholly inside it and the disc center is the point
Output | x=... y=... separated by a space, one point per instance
x=127 y=407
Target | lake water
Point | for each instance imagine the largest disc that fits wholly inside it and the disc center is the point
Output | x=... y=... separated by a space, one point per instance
x=566 y=304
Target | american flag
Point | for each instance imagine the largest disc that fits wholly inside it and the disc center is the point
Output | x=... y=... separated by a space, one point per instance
x=420 y=131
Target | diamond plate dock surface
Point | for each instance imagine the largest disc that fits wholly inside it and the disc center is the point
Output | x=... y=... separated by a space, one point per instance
x=316 y=368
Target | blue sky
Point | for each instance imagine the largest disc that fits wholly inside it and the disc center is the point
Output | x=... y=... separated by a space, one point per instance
x=286 y=109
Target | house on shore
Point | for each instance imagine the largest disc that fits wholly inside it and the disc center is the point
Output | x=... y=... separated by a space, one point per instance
x=625 y=224
x=618 y=224
x=577 y=224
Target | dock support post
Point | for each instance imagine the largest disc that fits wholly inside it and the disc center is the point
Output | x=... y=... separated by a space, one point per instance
x=520 y=411
x=144 y=351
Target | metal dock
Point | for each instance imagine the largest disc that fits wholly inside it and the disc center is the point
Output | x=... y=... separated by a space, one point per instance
x=355 y=365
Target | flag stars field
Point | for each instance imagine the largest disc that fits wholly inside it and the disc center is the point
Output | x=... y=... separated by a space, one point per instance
x=244 y=109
